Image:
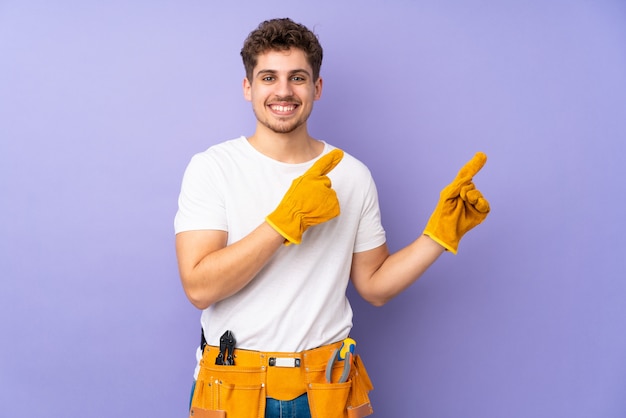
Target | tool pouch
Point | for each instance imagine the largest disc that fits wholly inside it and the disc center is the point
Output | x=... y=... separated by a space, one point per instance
x=349 y=399
x=358 y=401
x=228 y=391
x=239 y=390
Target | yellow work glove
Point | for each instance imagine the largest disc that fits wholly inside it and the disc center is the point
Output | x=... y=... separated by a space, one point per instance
x=461 y=207
x=309 y=201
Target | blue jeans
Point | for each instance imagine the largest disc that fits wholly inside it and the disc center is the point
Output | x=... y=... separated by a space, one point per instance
x=296 y=408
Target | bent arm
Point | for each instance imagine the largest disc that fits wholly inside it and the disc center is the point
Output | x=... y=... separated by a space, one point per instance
x=379 y=276
x=211 y=271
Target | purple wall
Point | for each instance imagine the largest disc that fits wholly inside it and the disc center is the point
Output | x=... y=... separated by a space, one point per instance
x=102 y=105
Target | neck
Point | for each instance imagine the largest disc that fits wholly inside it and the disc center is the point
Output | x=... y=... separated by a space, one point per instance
x=293 y=147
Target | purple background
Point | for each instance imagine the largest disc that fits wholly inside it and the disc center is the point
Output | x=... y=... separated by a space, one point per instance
x=103 y=103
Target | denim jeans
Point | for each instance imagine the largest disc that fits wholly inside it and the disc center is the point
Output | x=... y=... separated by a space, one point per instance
x=296 y=408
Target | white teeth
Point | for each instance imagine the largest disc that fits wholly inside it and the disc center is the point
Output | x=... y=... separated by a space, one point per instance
x=283 y=108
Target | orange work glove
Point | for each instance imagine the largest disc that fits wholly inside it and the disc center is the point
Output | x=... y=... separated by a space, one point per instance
x=309 y=201
x=461 y=207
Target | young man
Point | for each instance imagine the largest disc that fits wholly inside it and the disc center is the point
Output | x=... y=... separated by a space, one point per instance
x=269 y=230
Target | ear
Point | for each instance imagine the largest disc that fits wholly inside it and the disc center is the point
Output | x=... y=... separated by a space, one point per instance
x=318 y=88
x=247 y=89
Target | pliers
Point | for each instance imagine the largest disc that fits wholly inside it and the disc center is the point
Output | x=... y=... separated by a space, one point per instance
x=344 y=353
x=227 y=348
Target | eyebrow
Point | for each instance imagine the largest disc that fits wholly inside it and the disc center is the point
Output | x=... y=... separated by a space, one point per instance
x=292 y=72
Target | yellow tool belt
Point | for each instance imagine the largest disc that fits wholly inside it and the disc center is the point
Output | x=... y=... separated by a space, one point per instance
x=240 y=390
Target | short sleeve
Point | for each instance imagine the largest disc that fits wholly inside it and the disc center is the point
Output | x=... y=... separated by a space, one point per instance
x=201 y=199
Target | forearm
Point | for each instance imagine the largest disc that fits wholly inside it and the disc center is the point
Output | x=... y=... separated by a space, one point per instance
x=225 y=270
x=399 y=270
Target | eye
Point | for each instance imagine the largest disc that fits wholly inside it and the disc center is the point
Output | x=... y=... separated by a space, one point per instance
x=267 y=78
x=298 y=79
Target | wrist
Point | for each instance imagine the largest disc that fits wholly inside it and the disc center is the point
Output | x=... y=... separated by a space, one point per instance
x=438 y=244
x=287 y=236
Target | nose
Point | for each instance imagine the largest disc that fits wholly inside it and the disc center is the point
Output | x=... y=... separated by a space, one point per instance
x=283 y=88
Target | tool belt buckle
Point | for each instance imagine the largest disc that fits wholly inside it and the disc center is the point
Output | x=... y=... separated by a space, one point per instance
x=284 y=362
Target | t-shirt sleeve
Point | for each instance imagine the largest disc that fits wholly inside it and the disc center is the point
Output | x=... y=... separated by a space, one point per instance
x=370 y=233
x=201 y=200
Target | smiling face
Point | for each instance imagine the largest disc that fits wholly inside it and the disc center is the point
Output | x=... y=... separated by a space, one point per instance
x=282 y=90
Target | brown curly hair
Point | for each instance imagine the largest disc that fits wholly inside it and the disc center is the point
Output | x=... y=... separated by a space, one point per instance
x=281 y=35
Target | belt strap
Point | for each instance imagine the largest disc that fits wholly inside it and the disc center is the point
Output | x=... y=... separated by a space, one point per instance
x=315 y=357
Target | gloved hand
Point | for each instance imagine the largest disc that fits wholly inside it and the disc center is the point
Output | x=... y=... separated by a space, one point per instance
x=309 y=201
x=461 y=207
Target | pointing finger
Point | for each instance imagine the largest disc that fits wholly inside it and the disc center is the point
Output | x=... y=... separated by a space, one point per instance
x=325 y=164
x=472 y=167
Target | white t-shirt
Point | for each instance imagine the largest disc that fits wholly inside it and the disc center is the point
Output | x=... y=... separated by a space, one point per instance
x=298 y=300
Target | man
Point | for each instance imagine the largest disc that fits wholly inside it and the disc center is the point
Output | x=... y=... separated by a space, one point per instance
x=269 y=230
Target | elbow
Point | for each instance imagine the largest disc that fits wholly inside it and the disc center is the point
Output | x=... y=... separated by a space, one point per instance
x=197 y=296
x=199 y=303
x=377 y=301
x=373 y=295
